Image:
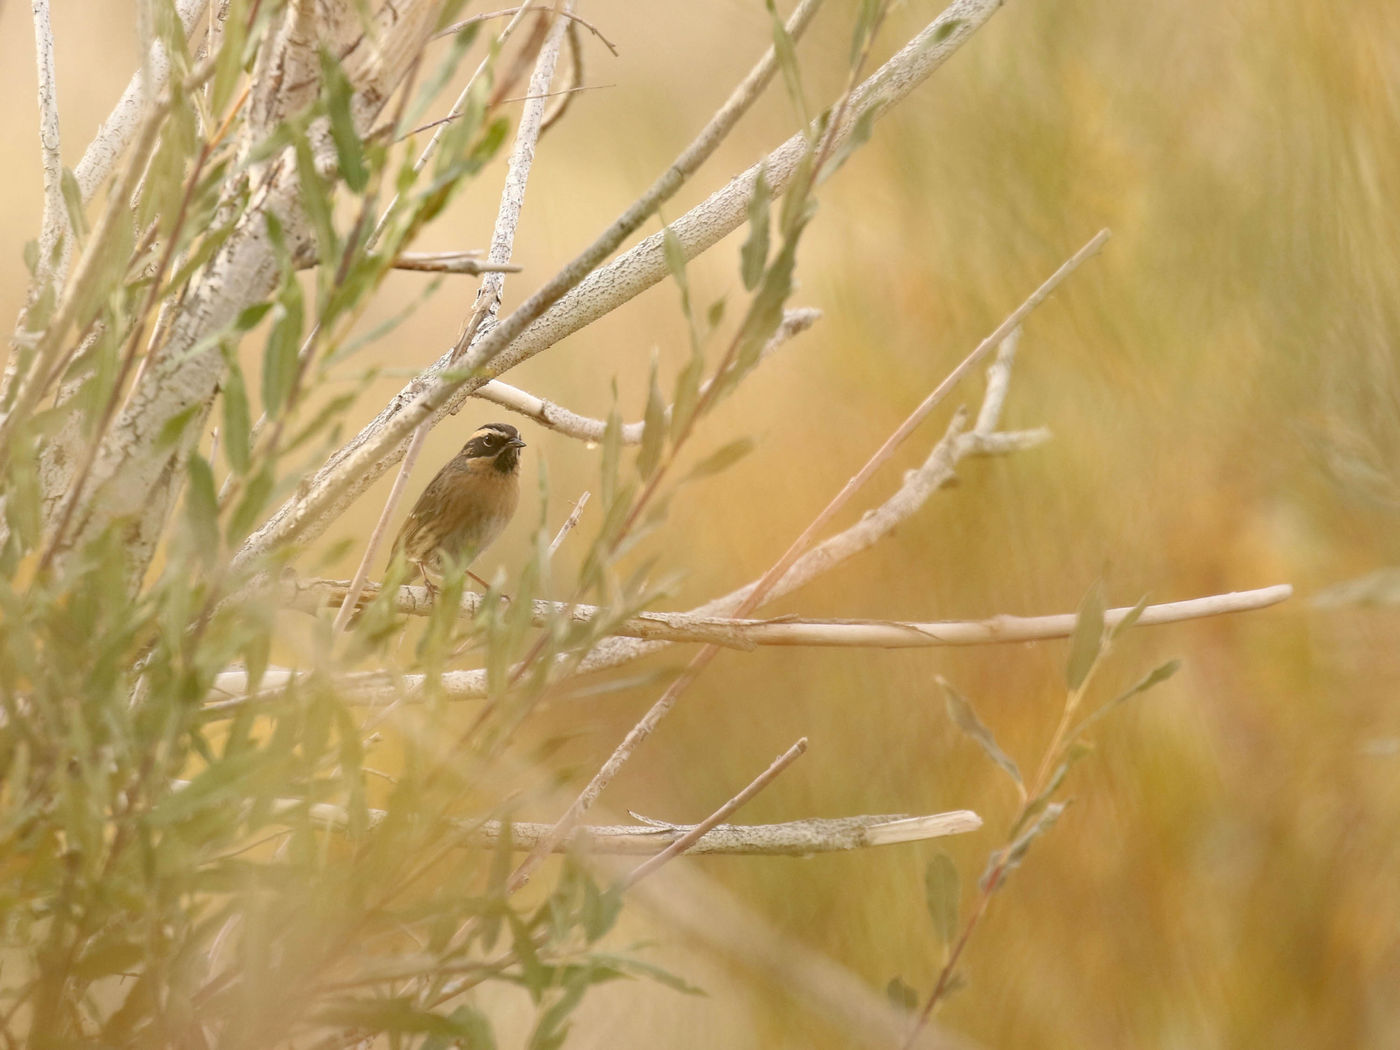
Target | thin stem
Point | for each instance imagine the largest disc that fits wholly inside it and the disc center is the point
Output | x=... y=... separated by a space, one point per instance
x=457 y=27
x=718 y=817
x=570 y=523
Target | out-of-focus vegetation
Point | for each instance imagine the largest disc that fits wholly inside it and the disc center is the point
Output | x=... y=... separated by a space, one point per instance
x=1224 y=389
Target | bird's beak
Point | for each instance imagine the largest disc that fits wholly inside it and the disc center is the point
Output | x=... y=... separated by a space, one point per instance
x=515 y=443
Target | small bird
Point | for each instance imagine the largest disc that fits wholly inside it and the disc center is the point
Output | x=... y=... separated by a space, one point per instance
x=466 y=505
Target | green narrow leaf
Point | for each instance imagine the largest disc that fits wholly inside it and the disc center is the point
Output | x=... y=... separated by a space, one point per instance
x=472 y=1032
x=245 y=515
x=626 y=964
x=31 y=257
x=612 y=453
x=1086 y=643
x=1016 y=852
x=765 y=313
x=965 y=718
x=687 y=394
x=900 y=995
x=173 y=429
x=228 y=63
x=1155 y=677
x=486 y=147
x=797 y=206
x=942 y=893
x=502 y=863
x=202 y=508
x=73 y=202
x=257 y=650
x=280 y=356
x=947 y=29
x=249 y=316
x=535 y=976
x=237 y=435
x=653 y=426
x=165 y=176
x=1004 y=861
x=111 y=269
x=317 y=199
x=863 y=28
x=722 y=457
x=349 y=150
x=600 y=910
x=715 y=314
x=674 y=253
x=553 y=1025
x=1129 y=621
x=786 y=53
x=753 y=257
x=23 y=497
x=1036 y=806
x=859 y=136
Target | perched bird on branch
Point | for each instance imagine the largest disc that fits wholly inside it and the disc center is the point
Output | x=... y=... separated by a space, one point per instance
x=466 y=505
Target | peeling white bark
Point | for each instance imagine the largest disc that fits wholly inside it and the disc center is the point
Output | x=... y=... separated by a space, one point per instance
x=131 y=482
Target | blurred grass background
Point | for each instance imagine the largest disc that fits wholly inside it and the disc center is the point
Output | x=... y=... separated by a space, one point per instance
x=1222 y=384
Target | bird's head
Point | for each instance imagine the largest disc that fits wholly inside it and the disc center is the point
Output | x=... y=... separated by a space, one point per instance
x=496 y=443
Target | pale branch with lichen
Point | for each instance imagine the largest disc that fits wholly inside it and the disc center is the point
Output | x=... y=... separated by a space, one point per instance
x=584 y=291
x=560 y=419
x=466 y=262
x=133 y=476
x=115 y=133
x=751 y=633
x=230 y=688
x=796 y=838
x=54 y=222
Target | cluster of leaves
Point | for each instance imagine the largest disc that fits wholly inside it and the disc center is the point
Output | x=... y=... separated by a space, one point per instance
x=1040 y=803
x=172 y=871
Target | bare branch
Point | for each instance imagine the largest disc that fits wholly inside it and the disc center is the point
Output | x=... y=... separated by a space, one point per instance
x=467 y=262
x=230 y=690
x=55 y=221
x=748 y=634
x=570 y=523
x=114 y=133
x=998 y=383
x=571 y=424
x=797 y=838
